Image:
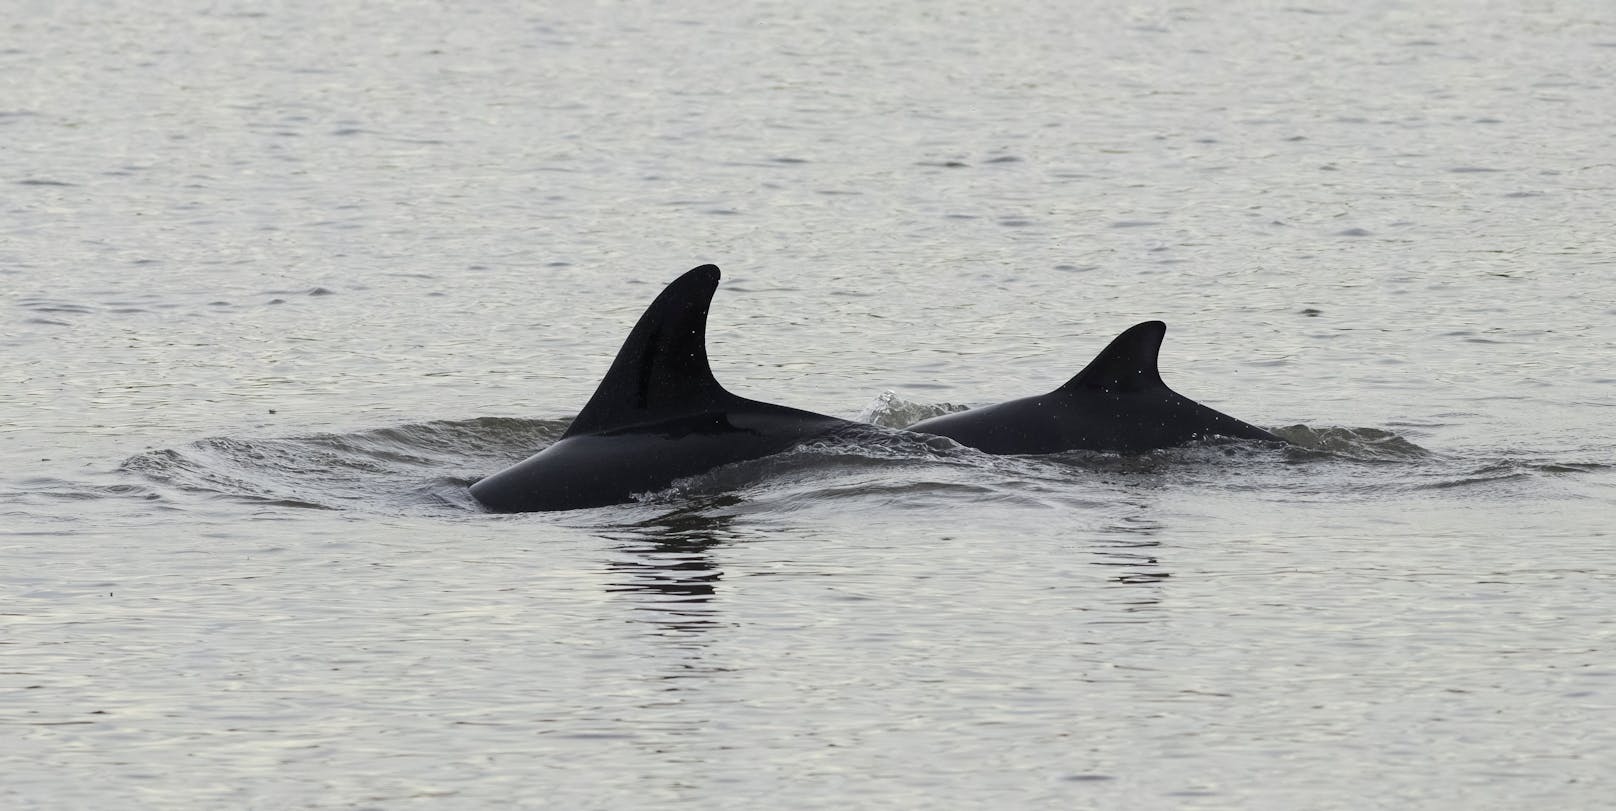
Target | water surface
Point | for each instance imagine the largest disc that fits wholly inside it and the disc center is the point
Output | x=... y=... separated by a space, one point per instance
x=281 y=281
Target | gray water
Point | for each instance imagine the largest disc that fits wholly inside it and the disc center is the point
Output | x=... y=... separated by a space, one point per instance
x=282 y=279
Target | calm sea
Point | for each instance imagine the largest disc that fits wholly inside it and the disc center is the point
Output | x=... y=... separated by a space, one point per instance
x=281 y=279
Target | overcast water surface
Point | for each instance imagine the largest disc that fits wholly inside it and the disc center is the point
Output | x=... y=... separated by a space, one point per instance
x=282 y=279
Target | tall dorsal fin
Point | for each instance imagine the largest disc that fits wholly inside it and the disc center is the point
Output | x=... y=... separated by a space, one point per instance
x=662 y=368
x=1127 y=364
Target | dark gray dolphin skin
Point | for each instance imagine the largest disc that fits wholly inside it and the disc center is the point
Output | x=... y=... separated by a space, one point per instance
x=1118 y=403
x=659 y=415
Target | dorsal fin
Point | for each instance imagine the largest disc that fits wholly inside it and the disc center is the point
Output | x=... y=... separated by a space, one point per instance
x=662 y=368
x=1127 y=364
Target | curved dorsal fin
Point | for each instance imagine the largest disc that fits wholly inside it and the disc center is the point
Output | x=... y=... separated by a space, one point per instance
x=1127 y=364
x=662 y=368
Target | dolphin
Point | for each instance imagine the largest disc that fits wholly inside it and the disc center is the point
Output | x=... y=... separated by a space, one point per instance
x=1118 y=404
x=659 y=415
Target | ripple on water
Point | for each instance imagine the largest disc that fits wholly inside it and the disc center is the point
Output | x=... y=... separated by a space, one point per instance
x=407 y=466
x=428 y=466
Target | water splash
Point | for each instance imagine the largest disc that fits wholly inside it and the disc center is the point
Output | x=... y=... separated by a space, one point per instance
x=888 y=410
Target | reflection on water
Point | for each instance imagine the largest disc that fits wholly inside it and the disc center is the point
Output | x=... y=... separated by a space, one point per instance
x=664 y=566
x=1130 y=545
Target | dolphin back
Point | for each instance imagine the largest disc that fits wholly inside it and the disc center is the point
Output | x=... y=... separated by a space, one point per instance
x=1118 y=403
x=658 y=416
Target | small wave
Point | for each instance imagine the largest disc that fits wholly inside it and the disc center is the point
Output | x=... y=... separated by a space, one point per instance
x=49 y=490
x=428 y=464
x=849 y=451
x=429 y=467
x=1490 y=474
x=1486 y=474
x=883 y=468
x=57 y=306
x=1466 y=472
x=1362 y=444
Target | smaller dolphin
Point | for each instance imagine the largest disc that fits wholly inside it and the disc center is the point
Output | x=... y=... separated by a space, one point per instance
x=1118 y=403
x=659 y=415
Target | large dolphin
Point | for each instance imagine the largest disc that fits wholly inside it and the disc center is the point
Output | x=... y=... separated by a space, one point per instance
x=1118 y=403
x=659 y=415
